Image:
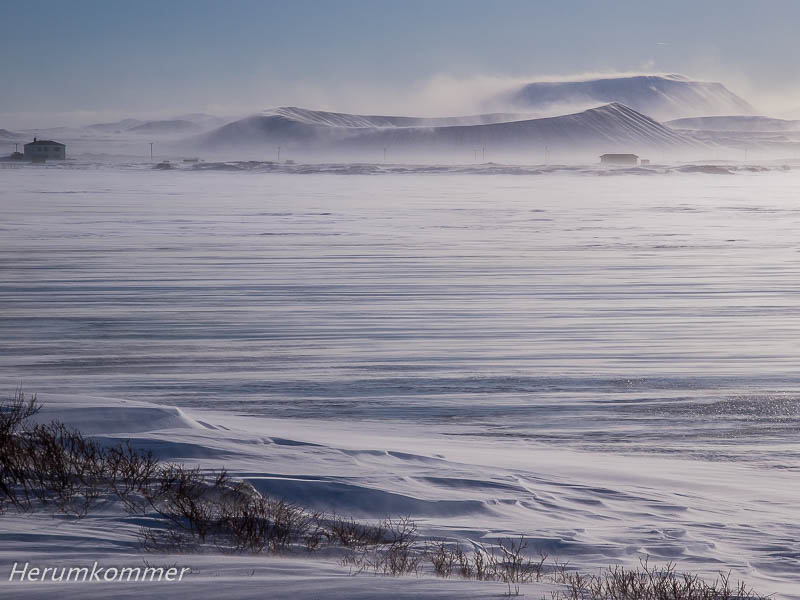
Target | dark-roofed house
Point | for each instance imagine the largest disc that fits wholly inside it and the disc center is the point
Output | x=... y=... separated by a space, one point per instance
x=42 y=150
x=619 y=159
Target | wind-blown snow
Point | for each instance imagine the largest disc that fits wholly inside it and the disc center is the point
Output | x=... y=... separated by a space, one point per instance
x=606 y=364
x=659 y=96
x=591 y=508
x=743 y=123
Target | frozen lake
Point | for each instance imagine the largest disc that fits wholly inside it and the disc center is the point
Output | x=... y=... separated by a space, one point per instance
x=619 y=313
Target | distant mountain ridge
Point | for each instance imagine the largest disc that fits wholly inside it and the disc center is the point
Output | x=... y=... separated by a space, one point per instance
x=609 y=127
x=184 y=124
x=168 y=126
x=116 y=126
x=11 y=135
x=662 y=97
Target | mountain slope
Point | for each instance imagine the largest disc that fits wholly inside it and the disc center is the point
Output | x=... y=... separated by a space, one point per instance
x=10 y=135
x=613 y=126
x=660 y=96
x=114 y=127
x=610 y=127
x=333 y=119
x=194 y=122
x=168 y=126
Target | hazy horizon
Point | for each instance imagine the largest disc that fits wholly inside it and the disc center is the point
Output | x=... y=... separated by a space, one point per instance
x=95 y=62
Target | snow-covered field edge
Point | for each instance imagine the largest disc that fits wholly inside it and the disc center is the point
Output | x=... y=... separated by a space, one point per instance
x=588 y=509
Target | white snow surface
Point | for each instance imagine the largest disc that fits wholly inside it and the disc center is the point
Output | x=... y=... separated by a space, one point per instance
x=605 y=364
x=587 y=507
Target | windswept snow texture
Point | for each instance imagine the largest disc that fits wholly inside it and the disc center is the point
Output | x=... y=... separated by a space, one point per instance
x=776 y=137
x=652 y=313
x=607 y=364
x=659 y=96
x=460 y=485
x=613 y=127
x=736 y=123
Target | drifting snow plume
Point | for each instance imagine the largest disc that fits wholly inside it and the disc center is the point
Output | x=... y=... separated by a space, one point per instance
x=660 y=96
x=736 y=123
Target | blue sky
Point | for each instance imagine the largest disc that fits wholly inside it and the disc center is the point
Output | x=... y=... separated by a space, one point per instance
x=126 y=57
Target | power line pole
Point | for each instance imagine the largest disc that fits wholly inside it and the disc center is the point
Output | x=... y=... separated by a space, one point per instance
x=483 y=154
x=384 y=155
x=279 y=154
x=151 y=151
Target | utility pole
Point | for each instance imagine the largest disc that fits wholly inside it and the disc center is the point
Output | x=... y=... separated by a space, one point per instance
x=475 y=150
x=483 y=154
x=151 y=151
x=546 y=154
x=384 y=155
x=279 y=154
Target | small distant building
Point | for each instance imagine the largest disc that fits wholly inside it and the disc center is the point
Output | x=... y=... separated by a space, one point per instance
x=628 y=160
x=42 y=150
x=644 y=162
x=17 y=156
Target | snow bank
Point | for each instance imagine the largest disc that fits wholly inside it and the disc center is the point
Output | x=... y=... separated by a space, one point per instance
x=590 y=509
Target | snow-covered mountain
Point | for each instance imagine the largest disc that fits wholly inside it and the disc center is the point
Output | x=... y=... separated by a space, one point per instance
x=166 y=127
x=115 y=127
x=613 y=127
x=10 y=135
x=334 y=119
x=194 y=122
x=659 y=96
x=736 y=123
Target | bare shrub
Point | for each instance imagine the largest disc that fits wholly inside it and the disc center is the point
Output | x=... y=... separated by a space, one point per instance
x=514 y=568
x=442 y=557
x=53 y=465
x=14 y=463
x=653 y=583
x=347 y=532
x=394 y=553
x=15 y=411
x=228 y=514
x=179 y=498
x=130 y=474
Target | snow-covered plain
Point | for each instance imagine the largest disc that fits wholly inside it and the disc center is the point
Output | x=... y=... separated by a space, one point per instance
x=607 y=365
